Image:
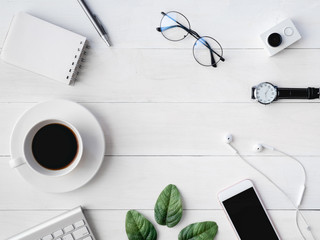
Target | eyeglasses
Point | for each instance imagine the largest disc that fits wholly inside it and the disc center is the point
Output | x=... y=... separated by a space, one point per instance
x=207 y=51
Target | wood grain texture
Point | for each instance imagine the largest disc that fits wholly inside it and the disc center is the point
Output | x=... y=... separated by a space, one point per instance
x=164 y=116
x=131 y=24
x=192 y=128
x=167 y=75
x=109 y=224
x=135 y=182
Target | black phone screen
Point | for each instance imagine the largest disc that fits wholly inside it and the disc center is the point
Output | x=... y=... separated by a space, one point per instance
x=249 y=217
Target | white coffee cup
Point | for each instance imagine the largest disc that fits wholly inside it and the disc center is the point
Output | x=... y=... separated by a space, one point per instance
x=29 y=159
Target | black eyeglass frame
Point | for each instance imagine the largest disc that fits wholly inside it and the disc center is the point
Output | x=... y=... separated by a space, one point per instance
x=196 y=36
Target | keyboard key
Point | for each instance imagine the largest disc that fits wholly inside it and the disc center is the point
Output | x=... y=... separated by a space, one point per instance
x=78 y=224
x=48 y=237
x=68 y=237
x=58 y=233
x=68 y=228
x=81 y=232
x=88 y=238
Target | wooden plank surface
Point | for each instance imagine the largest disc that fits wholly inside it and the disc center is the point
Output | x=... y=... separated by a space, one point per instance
x=193 y=128
x=131 y=24
x=179 y=78
x=164 y=116
x=135 y=182
x=109 y=224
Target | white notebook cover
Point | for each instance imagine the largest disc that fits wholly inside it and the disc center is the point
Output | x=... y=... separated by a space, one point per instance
x=43 y=48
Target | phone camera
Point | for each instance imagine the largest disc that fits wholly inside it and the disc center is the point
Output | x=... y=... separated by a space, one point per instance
x=274 y=39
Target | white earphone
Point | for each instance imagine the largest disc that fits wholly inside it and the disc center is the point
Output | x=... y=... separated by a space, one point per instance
x=259 y=147
x=228 y=138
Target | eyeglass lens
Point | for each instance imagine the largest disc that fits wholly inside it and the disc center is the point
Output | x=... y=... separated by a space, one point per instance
x=207 y=51
x=174 y=26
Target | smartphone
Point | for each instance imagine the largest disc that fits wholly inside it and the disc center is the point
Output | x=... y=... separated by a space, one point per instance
x=246 y=212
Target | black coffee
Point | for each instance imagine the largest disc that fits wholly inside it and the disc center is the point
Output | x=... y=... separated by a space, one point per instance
x=54 y=146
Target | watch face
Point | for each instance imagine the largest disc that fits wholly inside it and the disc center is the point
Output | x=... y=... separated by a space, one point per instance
x=265 y=93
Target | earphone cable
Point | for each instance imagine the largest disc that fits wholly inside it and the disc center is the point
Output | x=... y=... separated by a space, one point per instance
x=298 y=212
x=302 y=195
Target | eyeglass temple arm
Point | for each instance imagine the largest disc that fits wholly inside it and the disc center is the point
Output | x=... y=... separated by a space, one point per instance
x=161 y=29
x=213 y=62
x=192 y=33
x=205 y=43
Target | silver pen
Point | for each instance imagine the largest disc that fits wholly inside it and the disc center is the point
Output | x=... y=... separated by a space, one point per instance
x=95 y=22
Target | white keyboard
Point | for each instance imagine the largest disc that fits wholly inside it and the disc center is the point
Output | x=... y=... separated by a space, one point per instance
x=71 y=225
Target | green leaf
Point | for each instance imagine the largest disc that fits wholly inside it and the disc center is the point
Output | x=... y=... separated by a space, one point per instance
x=168 y=209
x=138 y=227
x=199 y=231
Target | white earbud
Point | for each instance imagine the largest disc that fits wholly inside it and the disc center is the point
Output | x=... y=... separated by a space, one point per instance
x=228 y=138
x=259 y=147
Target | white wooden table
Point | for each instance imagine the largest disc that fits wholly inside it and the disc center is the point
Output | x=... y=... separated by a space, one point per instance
x=164 y=115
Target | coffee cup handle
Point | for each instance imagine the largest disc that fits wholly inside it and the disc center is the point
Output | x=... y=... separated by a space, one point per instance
x=16 y=162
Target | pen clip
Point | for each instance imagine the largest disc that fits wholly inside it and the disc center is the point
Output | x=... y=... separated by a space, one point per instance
x=99 y=23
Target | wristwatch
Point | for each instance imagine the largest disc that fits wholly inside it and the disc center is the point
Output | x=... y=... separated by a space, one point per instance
x=267 y=93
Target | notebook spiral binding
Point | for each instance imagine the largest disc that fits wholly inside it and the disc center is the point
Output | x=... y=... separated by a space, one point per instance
x=79 y=59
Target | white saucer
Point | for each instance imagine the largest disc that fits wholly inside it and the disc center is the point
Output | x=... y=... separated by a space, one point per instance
x=90 y=131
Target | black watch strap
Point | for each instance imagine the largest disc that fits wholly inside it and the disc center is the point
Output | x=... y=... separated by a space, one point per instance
x=298 y=93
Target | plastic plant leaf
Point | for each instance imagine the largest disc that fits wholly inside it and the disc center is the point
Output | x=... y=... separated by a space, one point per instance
x=199 y=231
x=138 y=227
x=168 y=209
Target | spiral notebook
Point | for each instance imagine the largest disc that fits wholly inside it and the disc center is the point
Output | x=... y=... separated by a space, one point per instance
x=43 y=48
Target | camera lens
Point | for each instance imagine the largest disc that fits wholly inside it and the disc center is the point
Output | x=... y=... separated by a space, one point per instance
x=274 y=39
